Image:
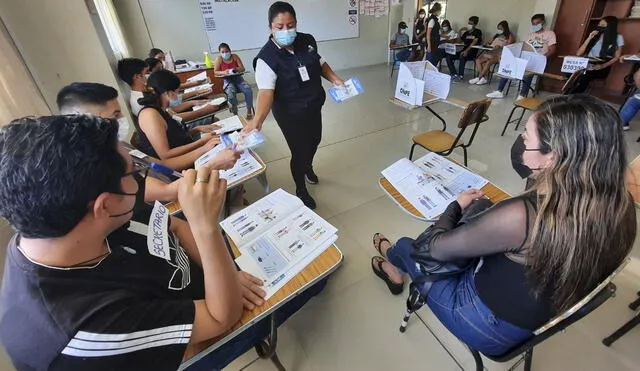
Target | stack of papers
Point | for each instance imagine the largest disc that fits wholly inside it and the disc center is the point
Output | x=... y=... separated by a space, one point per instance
x=228 y=125
x=278 y=237
x=633 y=58
x=199 y=77
x=199 y=88
x=214 y=102
x=351 y=88
x=242 y=142
x=431 y=183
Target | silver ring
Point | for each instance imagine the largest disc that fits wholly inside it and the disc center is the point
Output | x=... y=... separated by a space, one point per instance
x=202 y=180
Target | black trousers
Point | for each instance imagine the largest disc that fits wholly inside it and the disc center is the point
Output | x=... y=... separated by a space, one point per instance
x=303 y=133
x=583 y=82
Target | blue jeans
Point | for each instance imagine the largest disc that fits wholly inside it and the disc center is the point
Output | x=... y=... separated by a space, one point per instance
x=524 y=89
x=456 y=303
x=461 y=64
x=233 y=86
x=402 y=55
x=434 y=57
x=630 y=108
x=221 y=357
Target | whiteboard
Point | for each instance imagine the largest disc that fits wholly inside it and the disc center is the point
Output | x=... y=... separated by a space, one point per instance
x=244 y=24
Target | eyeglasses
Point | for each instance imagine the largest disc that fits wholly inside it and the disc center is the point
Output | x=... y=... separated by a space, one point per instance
x=141 y=171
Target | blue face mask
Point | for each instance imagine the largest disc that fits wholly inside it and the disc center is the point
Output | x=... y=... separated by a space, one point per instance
x=536 y=27
x=226 y=56
x=175 y=102
x=285 y=37
x=499 y=32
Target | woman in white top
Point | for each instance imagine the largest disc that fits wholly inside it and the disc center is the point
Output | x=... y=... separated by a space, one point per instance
x=604 y=43
x=502 y=38
x=447 y=34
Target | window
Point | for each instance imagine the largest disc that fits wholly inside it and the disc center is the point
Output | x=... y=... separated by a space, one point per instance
x=112 y=28
x=444 y=8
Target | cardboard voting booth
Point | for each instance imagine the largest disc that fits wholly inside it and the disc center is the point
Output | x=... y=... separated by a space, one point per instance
x=420 y=83
x=519 y=58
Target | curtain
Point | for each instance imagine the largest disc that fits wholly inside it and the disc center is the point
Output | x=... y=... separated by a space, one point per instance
x=112 y=27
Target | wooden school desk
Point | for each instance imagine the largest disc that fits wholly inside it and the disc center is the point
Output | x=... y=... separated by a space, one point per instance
x=320 y=268
x=494 y=194
x=217 y=82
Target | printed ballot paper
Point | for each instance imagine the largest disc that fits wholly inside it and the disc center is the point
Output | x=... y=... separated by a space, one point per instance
x=278 y=237
x=245 y=166
x=351 y=88
x=449 y=48
x=199 y=77
x=420 y=82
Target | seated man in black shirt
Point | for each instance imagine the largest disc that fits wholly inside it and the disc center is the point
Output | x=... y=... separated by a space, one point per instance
x=470 y=37
x=94 y=279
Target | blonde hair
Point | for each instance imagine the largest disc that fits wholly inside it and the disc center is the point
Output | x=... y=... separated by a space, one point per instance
x=585 y=225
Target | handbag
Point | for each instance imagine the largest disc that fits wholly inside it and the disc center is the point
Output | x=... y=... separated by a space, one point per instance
x=434 y=269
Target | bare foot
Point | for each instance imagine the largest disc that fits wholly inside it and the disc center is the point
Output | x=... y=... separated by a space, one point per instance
x=391 y=271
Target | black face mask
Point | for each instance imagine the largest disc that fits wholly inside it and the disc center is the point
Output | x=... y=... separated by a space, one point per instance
x=517 y=149
x=600 y=28
x=140 y=177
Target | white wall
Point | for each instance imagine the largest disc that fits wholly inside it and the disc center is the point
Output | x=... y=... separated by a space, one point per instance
x=370 y=48
x=59 y=44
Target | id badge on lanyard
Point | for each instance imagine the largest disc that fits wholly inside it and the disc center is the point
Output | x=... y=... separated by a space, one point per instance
x=302 y=70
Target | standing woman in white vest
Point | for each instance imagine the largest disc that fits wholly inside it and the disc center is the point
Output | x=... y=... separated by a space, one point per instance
x=289 y=74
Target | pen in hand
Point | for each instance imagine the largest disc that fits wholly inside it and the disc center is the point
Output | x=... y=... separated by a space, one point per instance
x=165 y=170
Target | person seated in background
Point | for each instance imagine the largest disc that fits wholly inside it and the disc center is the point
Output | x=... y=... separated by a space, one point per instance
x=154 y=65
x=447 y=33
x=228 y=63
x=541 y=252
x=134 y=72
x=486 y=60
x=82 y=286
x=604 y=43
x=400 y=38
x=544 y=41
x=157 y=54
x=161 y=136
x=632 y=106
x=102 y=100
x=470 y=37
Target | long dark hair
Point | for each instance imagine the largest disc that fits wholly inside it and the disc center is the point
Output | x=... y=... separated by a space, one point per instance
x=158 y=83
x=446 y=23
x=609 y=38
x=505 y=27
x=586 y=221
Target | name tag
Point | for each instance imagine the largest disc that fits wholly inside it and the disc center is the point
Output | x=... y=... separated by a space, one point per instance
x=304 y=74
x=158 y=233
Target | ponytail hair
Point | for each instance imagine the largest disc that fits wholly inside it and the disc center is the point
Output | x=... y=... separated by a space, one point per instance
x=159 y=83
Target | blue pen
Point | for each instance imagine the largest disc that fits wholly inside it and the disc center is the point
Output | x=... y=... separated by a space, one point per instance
x=165 y=170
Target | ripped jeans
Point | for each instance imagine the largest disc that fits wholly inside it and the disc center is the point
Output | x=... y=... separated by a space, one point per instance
x=456 y=303
x=235 y=85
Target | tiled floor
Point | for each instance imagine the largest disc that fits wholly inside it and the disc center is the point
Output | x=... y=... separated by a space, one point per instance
x=353 y=324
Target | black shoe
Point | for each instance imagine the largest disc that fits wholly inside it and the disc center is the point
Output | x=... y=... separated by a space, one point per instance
x=311 y=177
x=307 y=200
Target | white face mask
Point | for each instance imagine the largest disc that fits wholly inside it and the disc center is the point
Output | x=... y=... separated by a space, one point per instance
x=123 y=128
x=499 y=31
x=469 y=27
x=421 y=16
x=403 y=30
x=445 y=29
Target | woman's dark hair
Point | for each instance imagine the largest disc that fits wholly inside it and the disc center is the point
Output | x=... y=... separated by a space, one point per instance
x=446 y=23
x=223 y=45
x=422 y=11
x=609 y=38
x=505 y=27
x=158 y=83
x=280 y=7
x=154 y=51
x=436 y=7
x=52 y=167
x=152 y=63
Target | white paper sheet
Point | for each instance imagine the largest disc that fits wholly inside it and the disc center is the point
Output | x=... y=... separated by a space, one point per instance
x=416 y=68
x=573 y=64
x=409 y=89
x=449 y=48
x=535 y=62
x=232 y=123
x=199 y=88
x=437 y=84
x=199 y=77
x=510 y=66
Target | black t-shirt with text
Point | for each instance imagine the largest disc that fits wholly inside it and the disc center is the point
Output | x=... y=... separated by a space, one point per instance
x=468 y=37
x=134 y=310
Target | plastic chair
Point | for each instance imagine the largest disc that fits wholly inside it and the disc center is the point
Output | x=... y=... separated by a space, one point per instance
x=443 y=143
x=532 y=104
x=633 y=322
x=598 y=296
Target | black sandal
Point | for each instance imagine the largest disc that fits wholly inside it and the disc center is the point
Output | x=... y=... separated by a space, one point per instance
x=395 y=288
x=379 y=243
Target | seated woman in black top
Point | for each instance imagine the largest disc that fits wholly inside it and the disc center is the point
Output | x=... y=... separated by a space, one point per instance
x=604 y=43
x=540 y=252
x=161 y=136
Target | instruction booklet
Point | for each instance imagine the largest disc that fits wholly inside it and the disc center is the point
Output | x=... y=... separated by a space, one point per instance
x=432 y=182
x=278 y=237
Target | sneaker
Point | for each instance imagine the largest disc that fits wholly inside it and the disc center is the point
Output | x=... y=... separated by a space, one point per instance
x=474 y=81
x=311 y=177
x=496 y=95
x=482 y=81
x=306 y=199
x=454 y=78
x=625 y=128
x=519 y=97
